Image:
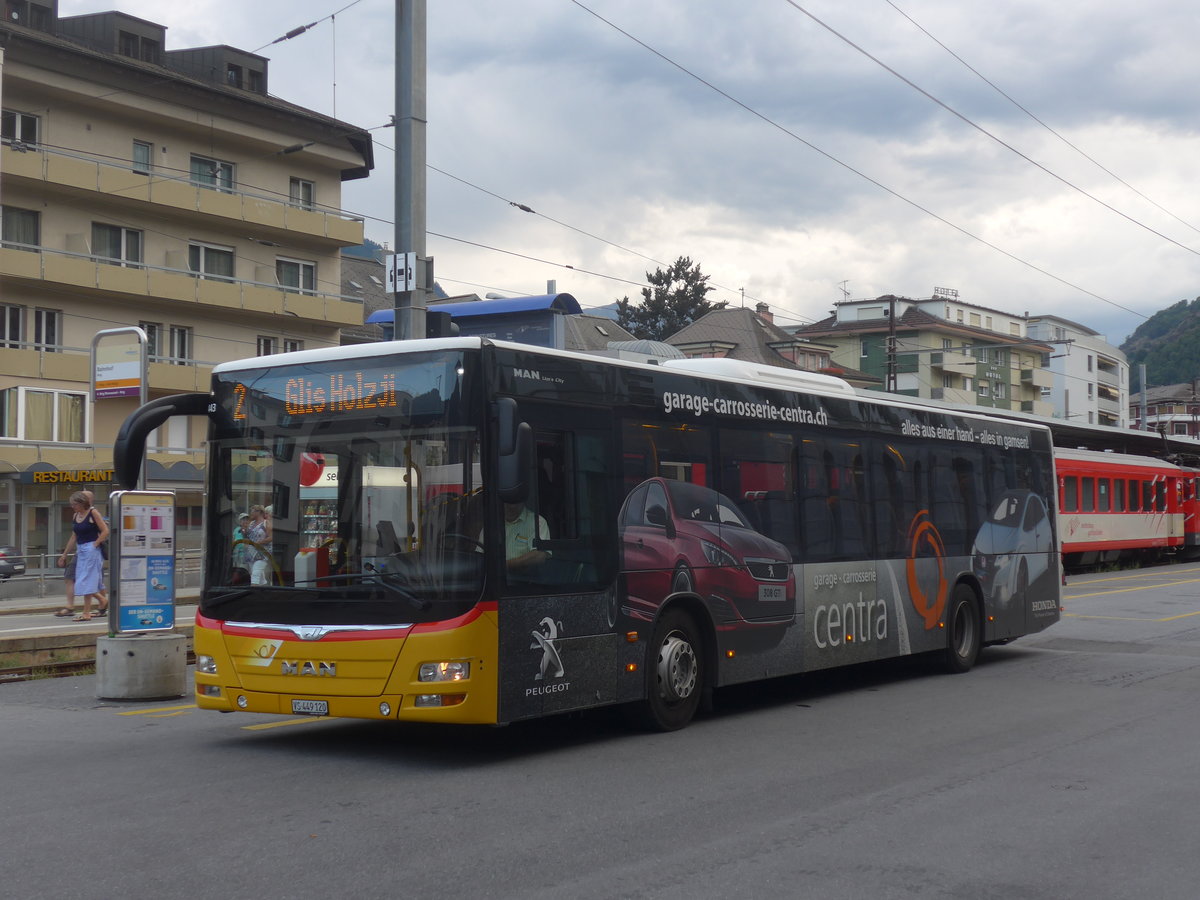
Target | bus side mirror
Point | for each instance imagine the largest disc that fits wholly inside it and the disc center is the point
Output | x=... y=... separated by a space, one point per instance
x=515 y=452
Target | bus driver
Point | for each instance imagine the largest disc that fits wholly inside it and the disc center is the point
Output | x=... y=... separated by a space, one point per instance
x=521 y=527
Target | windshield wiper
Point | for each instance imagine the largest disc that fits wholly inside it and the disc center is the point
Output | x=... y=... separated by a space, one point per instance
x=387 y=581
x=259 y=590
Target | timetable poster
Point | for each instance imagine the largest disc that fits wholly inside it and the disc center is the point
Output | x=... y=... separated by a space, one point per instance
x=144 y=563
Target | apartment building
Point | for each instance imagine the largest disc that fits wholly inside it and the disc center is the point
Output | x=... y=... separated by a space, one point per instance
x=157 y=188
x=945 y=349
x=1171 y=409
x=1090 y=376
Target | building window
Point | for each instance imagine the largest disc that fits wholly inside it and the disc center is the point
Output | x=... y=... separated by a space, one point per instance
x=12 y=332
x=47 y=328
x=153 y=340
x=137 y=47
x=211 y=261
x=296 y=274
x=233 y=75
x=1091 y=362
x=39 y=415
x=1014 y=328
x=181 y=345
x=983 y=389
x=987 y=322
x=212 y=173
x=301 y=193
x=255 y=82
x=959 y=315
x=864 y=349
x=947 y=344
x=115 y=245
x=999 y=390
x=292 y=345
x=266 y=346
x=18 y=126
x=20 y=228
x=975 y=319
x=948 y=380
x=143 y=157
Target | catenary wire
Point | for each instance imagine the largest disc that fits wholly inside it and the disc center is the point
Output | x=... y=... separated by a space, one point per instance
x=1062 y=138
x=914 y=204
x=954 y=112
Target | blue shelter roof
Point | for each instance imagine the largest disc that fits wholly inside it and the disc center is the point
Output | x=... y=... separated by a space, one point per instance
x=562 y=303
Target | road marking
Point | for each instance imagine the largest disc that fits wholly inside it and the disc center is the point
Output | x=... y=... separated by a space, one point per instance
x=157 y=709
x=264 y=725
x=1129 y=589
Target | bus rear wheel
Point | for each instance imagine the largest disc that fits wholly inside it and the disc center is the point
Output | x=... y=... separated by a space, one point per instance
x=964 y=631
x=675 y=676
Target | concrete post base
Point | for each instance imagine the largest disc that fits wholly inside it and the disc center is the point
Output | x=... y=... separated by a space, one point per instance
x=141 y=667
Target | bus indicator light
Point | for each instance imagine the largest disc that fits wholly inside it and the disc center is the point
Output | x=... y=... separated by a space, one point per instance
x=631 y=667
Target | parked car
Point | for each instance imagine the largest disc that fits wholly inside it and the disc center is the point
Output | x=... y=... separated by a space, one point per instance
x=11 y=562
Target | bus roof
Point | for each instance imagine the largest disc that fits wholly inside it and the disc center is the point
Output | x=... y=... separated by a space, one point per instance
x=714 y=369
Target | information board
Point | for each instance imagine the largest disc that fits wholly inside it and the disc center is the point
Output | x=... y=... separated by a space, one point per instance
x=142 y=579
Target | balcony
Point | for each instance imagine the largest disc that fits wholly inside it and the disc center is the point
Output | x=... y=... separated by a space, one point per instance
x=73 y=364
x=953 y=395
x=954 y=361
x=1038 y=378
x=1038 y=407
x=113 y=183
x=87 y=277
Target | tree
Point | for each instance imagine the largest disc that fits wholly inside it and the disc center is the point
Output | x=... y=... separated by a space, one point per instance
x=675 y=298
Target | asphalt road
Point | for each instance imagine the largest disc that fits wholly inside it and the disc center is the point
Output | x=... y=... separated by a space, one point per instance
x=1064 y=766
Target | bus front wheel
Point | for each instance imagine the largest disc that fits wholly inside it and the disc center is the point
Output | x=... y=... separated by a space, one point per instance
x=675 y=676
x=964 y=630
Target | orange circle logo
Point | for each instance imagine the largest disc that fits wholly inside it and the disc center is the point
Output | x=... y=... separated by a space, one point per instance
x=923 y=541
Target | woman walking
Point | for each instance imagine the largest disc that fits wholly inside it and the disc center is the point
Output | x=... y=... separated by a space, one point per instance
x=88 y=532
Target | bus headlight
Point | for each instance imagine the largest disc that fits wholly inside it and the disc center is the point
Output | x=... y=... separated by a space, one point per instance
x=206 y=664
x=452 y=670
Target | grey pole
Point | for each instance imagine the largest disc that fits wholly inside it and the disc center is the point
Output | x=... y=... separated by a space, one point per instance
x=410 y=165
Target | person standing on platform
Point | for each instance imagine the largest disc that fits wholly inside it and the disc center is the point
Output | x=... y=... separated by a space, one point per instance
x=88 y=532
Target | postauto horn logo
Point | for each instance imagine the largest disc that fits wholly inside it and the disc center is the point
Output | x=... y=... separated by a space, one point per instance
x=925 y=542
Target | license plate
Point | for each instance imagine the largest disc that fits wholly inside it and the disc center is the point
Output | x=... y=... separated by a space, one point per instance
x=310 y=707
x=770 y=592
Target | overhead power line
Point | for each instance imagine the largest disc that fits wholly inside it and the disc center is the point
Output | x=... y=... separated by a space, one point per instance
x=769 y=121
x=1074 y=147
x=954 y=112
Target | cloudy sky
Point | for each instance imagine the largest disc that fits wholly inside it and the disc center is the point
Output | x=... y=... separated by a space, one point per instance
x=802 y=150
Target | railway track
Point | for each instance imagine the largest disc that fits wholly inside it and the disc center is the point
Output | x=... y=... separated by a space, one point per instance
x=61 y=669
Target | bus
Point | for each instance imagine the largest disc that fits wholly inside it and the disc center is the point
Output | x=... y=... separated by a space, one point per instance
x=465 y=530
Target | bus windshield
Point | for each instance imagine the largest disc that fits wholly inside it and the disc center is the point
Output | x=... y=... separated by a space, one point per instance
x=335 y=519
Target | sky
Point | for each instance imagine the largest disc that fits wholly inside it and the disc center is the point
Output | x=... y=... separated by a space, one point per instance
x=1034 y=157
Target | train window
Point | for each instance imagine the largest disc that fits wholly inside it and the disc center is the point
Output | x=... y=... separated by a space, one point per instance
x=1088 y=495
x=1135 y=497
x=1103 y=495
x=1070 y=501
x=1119 y=495
x=1160 y=496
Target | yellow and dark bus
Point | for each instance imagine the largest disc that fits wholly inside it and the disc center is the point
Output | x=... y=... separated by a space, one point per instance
x=463 y=530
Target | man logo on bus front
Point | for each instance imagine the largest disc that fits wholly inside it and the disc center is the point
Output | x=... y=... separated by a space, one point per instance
x=545 y=638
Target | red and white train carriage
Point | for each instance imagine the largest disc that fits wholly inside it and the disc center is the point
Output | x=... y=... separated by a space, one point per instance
x=1115 y=507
